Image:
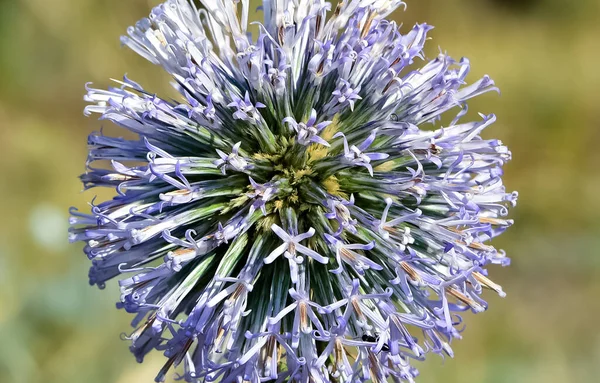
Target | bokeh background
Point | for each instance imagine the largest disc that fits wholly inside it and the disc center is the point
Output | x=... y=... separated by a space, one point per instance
x=543 y=54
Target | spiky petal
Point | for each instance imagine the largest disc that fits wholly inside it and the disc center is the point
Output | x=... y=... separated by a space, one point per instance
x=289 y=219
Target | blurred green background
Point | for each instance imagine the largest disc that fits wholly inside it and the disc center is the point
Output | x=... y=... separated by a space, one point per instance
x=543 y=54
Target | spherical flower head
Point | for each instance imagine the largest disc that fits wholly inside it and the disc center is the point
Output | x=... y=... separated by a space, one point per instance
x=300 y=214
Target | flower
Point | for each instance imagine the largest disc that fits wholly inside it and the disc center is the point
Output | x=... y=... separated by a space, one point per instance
x=290 y=218
x=307 y=133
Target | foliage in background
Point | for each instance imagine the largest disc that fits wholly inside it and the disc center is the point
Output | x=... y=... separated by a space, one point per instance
x=543 y=56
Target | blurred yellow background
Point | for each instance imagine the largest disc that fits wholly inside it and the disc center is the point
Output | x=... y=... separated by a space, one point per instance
x=543 y=54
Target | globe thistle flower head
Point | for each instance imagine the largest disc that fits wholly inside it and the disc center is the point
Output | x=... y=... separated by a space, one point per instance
x=293 y=217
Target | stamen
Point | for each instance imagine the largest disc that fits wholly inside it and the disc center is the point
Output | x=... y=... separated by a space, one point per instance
x=303 y=316
x=410 y=271
x=465 y=299
x=367 y=26
x=488 y=283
